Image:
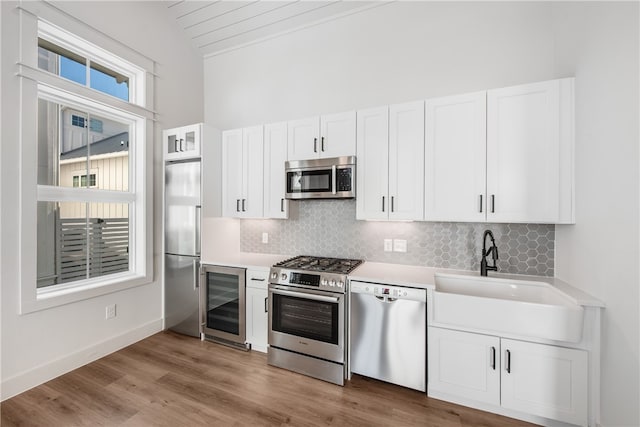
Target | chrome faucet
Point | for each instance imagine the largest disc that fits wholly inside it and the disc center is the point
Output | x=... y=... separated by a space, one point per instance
x=493 y=250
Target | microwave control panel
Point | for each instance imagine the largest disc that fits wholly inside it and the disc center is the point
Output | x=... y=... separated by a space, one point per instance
x=343 y=179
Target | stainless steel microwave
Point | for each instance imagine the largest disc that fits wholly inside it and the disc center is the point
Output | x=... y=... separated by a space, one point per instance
x=332 y=178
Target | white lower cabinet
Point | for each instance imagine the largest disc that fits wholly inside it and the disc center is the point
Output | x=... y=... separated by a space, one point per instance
x=256 y=309
x=533 y=378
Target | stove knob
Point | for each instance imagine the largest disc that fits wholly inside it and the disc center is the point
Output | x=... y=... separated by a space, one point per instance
x=324 y=282
x=274 y=275
x=332 y=283
x=283 y=276
x=340 y=284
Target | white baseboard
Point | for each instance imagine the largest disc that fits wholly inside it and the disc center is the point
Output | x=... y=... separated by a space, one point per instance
x=40 y=374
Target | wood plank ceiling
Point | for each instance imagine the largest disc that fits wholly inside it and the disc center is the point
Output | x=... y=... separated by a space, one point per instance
x=216 y=26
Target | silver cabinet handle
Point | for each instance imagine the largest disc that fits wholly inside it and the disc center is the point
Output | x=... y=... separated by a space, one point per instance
x=175 y=145
x=507 y=363
x=493 y=358
x=237 y=205
x=493 y=203
x=322 y=143
x=315 y=145
x=266 y=304
x=382 y=203
x=480 y=203
x=243 y=203
x=181 y=145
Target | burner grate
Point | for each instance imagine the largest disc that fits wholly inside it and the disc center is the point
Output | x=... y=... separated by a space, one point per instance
x=329 y=265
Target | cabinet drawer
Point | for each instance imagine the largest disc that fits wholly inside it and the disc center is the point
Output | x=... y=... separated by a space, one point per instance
x=257 y=279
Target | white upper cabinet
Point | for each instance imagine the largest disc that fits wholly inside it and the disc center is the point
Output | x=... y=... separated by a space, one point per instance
x=530 y=138
x=390 y=156
x=406 y=161
x=372 y=170
x=182 y=143
x=242 y=172
x=455 y=158
x=338 y=134
x=332 y=135
x=231 y=172
x=275 y=155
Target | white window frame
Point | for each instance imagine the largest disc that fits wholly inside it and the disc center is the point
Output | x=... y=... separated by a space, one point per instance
x=94 y=53
x=40 y=84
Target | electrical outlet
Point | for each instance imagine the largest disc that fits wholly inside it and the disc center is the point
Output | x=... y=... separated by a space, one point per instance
x=110 y=311
x=265 y=237
x=388 y=245
x=399 y=245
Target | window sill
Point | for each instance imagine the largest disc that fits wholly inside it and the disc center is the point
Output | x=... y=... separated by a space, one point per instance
x=44 y=299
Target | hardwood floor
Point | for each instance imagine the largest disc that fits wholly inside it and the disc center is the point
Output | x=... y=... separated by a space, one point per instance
x=173 y=380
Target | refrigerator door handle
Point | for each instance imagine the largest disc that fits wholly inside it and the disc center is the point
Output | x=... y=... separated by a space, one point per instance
x=196 y=274
x=197 y=239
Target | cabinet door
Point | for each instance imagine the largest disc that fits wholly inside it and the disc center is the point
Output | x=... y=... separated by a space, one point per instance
x=303 y=141
x=257 y=317
x=372 y=170
x=251 y=204
x=231 y=172
x=275 y=155
x=529 y=139
x=545 y=380
x=183 y=142
x=406 y=161
x=464 y=364
x=338 y=135
x=455 y=158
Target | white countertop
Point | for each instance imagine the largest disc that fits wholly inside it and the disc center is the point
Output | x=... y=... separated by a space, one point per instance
x=245 y=260
x=424 y=278
x=397 y=274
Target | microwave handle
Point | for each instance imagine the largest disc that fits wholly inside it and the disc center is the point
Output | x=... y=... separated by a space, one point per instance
x=333 y=180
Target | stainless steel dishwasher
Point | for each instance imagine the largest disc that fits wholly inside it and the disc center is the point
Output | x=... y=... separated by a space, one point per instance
x=388 y=327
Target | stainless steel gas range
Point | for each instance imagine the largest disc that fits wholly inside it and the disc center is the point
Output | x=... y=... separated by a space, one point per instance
x=307 y=316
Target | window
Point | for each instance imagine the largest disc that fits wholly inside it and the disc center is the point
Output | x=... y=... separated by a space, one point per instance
x=81 y=180
x=77 y=121
x=84 y=110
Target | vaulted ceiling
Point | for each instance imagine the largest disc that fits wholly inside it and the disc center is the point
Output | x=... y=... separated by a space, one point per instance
x=216 y=26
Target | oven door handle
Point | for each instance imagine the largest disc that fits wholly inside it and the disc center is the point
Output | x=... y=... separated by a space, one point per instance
x=305 y=295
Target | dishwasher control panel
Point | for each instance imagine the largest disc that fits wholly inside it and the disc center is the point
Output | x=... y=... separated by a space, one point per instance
x=394 y=292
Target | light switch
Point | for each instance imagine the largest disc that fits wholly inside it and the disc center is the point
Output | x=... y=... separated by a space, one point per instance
x=265 y=237
x=388 y=245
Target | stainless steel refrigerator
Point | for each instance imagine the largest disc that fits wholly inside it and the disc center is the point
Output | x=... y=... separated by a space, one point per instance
x=182 y=214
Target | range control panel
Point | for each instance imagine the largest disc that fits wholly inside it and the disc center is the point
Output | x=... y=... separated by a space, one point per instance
x=324 y=281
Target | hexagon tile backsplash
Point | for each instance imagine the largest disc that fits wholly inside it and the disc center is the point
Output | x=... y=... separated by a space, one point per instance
x=330 y=228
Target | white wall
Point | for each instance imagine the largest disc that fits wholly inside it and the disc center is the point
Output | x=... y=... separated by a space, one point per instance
x=599 y=43
x=41 y=345
x=411 y=50
x=392 y=53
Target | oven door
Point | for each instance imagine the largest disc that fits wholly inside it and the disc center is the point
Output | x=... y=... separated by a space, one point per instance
x=307 y=321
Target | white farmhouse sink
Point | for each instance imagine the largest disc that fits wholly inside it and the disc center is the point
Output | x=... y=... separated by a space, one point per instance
x=499 y=305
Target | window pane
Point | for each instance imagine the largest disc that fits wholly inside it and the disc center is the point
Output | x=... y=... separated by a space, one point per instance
x=108 y=81
x=62 y=243
x=62 y=62
x=68 y=238
x=65 y=159
x=108 y=238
